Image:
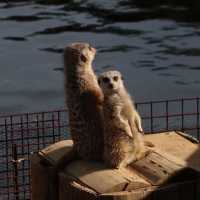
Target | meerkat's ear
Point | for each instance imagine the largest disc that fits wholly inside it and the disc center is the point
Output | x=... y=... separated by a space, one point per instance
x=83 y=58
x=122 y=77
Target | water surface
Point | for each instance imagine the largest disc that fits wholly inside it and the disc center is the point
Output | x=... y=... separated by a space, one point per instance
x=159 y=55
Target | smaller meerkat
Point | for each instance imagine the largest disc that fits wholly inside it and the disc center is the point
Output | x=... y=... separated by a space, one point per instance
x=123 y=139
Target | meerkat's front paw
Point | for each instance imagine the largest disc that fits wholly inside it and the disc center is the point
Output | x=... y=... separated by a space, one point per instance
x=142 y=154
x=141 y=130
x=121 y=165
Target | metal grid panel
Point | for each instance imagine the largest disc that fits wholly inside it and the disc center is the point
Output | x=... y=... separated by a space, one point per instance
x=175 y=114
x=23 y=134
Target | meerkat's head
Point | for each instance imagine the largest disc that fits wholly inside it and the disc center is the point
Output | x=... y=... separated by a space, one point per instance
x=79 y=55
x=111 y=82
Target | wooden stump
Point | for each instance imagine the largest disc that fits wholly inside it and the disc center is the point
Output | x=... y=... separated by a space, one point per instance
x=170 y=171
x=89 y=180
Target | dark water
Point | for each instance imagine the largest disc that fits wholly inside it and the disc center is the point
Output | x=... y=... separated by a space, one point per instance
x=157 y=49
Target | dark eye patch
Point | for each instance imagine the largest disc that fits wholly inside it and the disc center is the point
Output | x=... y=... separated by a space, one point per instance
x=115 y=78
x=106 y=80
x=83 y=58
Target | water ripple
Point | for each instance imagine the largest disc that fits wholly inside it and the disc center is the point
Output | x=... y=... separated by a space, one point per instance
x=14 y=38
x=120 y=48
x=160 y=68
x=172 y=50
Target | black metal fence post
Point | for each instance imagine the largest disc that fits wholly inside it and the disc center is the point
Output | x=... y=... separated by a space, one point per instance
x=15 y=171
x=198 y=119
x=182 y=115
x=167 y=114
x=151 y=114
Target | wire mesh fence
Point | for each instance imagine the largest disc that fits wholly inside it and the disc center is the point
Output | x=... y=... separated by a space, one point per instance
x=23 y=134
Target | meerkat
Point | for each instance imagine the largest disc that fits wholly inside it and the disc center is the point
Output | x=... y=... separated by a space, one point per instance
x=123 y=139
x=84 y=100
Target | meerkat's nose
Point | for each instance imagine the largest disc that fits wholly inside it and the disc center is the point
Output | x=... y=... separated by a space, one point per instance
x=111 y=86
x=94 y=50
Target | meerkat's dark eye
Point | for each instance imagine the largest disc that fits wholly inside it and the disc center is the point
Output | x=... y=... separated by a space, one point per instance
x=106 y=80
x=115 y=78
x=99 y=81
x=83 y=58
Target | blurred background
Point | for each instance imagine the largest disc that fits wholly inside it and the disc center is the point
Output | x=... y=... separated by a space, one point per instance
x=155 y=44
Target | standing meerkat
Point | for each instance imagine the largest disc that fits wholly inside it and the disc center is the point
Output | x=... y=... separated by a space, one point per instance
x=84 y=101
x=123 y=139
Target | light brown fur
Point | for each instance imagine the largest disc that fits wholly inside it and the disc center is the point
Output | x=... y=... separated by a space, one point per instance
x=84 y=101
x=123 y=139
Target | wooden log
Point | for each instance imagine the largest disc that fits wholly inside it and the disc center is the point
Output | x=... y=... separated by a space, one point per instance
x=92 y=180
x=156 y=168
x=159 y=176
x=55 y=152
x=96 y=182
x=69 y=189
x=39 y=179
x=178 y=146
x=102 y=179
x=44 y=172
x=140 y=194
x=178 y=191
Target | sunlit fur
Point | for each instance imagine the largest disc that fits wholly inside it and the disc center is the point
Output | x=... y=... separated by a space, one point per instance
x=123 y=141
x=84 y=101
